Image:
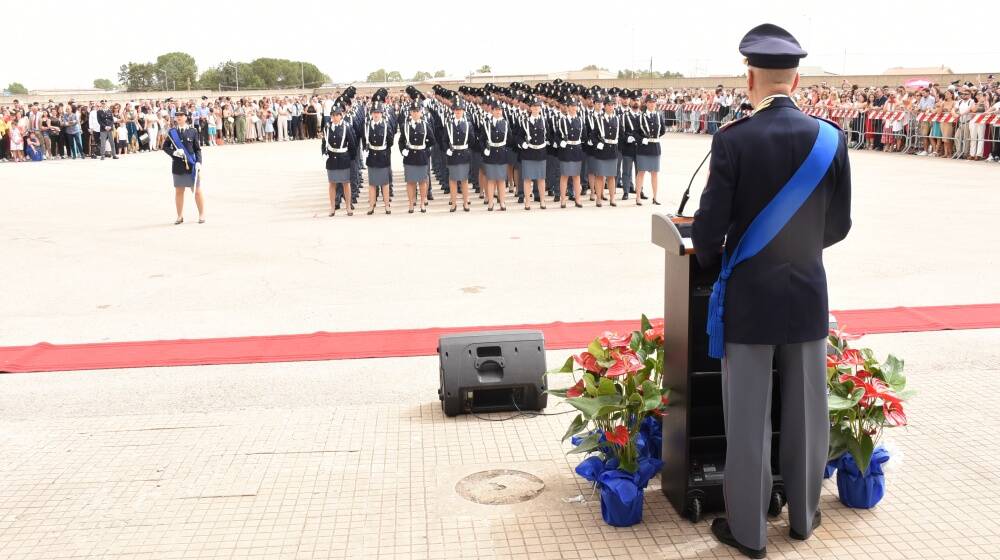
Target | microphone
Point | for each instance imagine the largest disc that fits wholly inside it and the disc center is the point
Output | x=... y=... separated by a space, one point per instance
x=687 y=192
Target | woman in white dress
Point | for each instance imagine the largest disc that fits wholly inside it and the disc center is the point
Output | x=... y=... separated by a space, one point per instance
x=152 y=123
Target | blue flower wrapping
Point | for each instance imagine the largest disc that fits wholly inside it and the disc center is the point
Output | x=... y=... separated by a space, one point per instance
x=859 y=490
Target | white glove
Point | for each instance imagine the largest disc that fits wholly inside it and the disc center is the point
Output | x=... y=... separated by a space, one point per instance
x=630 y=140
x=600 y=145
x=448 y=151
x=590 y=142
x=178 y=153
x=486 y=152
x=406 y=152
x=562 y=144
x=524 y=145
x=645 y=141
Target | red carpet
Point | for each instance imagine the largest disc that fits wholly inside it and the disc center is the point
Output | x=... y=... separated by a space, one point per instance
x=414 y=342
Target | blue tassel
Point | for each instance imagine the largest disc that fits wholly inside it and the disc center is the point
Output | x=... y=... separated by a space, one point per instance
x=715 y=331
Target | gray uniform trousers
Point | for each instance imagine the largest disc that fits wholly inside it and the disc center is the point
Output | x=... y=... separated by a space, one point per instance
x=805 y=434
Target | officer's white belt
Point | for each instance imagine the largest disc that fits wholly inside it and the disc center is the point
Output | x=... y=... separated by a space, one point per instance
x=497 y=144
x=656 y=140
x=377 y=148
x=338 y=150
x=462 y=147
x=610 y=141
x=412 y=147
x=573 y=142
x=538 y=146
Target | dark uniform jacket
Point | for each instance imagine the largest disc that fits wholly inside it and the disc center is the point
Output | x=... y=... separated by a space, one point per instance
x=456 y=135
x=106 y=119
x=416 y=136
x=189 y=137
x=377 y=139
x=532 y=137
x=605 y=136
x=571 y=136
x=340 y=146
x=779 y=295
x=631 y=132
x=652 y=126
x=495 y=138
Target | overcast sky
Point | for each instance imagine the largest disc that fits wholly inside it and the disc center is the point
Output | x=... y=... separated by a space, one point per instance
x=349 y=39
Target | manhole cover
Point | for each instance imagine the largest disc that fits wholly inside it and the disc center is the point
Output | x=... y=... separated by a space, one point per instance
x=499 y=487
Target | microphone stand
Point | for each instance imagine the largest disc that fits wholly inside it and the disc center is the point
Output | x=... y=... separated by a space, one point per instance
x=684 y=223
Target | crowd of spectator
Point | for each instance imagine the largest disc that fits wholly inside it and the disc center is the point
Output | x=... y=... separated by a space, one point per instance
x=958 y=120
x=930 y=120
x=99 y=129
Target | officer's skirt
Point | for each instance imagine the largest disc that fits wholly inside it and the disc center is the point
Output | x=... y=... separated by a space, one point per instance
x=570 y=168
x=458 y=172
x=591 y=165
x=187 y=180
x=415 y=173
x=495 y=171
x=647 y=163
x=338 y=175
x=532 y=169
x=605 y=167
x=379 y=176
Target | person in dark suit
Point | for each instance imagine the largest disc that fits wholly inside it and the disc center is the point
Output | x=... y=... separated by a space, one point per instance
x=184 y=148
x=106 y=119
x=774 y=304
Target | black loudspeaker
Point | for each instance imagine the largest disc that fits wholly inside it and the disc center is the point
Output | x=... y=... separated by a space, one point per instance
x=492 y=371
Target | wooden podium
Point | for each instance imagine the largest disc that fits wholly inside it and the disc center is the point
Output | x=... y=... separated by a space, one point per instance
x=694 y=436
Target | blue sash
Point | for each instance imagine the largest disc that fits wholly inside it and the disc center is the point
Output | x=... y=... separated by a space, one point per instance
x=768 y=223
x=192 y=160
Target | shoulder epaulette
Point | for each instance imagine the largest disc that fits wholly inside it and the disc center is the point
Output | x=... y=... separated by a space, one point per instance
x=836 y=124
x=733 y=122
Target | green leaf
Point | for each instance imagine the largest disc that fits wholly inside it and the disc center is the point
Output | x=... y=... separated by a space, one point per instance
x=837 y=402
x=593 y=407
x=605 y=363
x=892 y=371
x=587 y=444
x=636 y=341
x=650 y=396
x=590 y=384
x=606 y=387
x=575 y=427
x=597 y=350
x=567 y=367
x=840 y=436
x=861 y=449
x=644 y=324
x=561 y=393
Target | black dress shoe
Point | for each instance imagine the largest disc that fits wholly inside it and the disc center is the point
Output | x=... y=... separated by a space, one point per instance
x=643 y=196
x=722 y=532
x=817 y=520
x=625 y=196
x=520 y=200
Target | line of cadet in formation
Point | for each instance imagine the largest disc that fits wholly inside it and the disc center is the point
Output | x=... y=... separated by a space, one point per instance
x=559 y=139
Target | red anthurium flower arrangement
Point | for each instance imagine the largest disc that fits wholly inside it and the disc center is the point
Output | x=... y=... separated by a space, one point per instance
x=865 y=396
x=620 y=383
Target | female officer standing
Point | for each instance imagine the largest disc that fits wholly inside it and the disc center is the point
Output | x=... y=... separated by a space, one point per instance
x=338 y=145
x=495 y=141
x=377 y=139
x=652 y=125
x=570 y=132
x=414 y=139
x=456 y=134
x=604 y=137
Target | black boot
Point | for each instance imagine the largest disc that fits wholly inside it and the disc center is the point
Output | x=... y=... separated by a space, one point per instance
x=722 y=532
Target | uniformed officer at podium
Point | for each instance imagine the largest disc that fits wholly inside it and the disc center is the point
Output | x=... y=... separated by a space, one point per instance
x=772 y=294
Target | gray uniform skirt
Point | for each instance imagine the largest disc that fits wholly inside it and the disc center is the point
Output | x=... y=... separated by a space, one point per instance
x=458 y=172
x=532 y=169
x=415 y=173
x=187 y=180
x=605 y=167
x=495 y=171
x=338 y=175
x=570 y=168
x=647 y=163
x=591 y=165
x=379 y=176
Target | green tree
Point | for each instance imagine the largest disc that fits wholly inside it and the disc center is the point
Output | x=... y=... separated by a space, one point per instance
x=594 y=67
x=104 y=83
x=439 y=74
x=485 y=69
x=377 y=76
x=17 y=88
x=646 y=74
x=138 y=76
x=393 y=76
x=421 y=76
x=179 y=69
